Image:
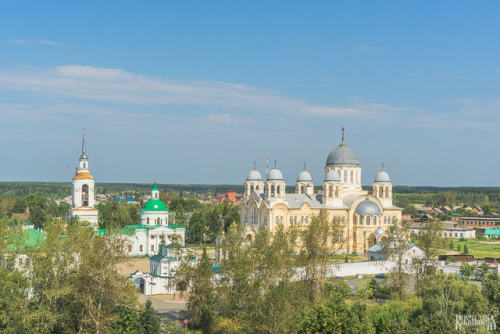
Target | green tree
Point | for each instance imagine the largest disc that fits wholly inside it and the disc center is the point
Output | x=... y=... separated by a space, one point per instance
x=150 y=322
x=202 y=301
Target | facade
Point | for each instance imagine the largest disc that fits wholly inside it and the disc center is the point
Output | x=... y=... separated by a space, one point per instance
x=147 y=240
x=479 y=222
x=83 y=199
x=450 y=229
x=267 y=205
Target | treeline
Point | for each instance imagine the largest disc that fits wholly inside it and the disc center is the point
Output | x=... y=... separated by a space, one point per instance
x=257 y=290
x=68 y=283
x=38 y=210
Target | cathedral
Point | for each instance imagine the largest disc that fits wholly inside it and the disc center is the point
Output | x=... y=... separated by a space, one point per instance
x=363 y=217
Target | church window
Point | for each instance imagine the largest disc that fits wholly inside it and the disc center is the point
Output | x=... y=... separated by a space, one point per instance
x=342 y=236
x=354 y=237
x=295 y=220
x=336 y=191
x=147 y=220
x=343 y=220
x=84 y=165
x=158 y=221
x=301 y=220
x=152 y=248
x=352 y=176
x=367 y=220
x=307 y=220
x=129 y=248
x=374 y=220
x=360 y=220
x=394 y=220
x=277 y=220
x=140 y=248
x=85 y=195
x=345 y=176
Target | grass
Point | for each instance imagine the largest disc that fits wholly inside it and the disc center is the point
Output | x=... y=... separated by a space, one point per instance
x=350 y=257
x=478 y=248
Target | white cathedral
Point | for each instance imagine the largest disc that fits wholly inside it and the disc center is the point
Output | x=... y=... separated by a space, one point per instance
x=364 y=217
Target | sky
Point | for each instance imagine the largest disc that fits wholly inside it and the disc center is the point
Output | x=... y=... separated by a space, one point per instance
x=195 y=91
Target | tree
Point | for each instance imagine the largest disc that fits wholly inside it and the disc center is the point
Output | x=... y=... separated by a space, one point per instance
x=467 y=270
x=149 y=321
x=395 y=248
x=429 y=240
x=321 y=239
x=202 y=301
x=466 y=249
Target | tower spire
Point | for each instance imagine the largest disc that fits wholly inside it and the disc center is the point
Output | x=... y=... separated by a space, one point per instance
x=382 y=166
x=254 y=165
x=275 y=163
x=304 y=166
x=84 y=147
x=342 y=135
x=154 y=178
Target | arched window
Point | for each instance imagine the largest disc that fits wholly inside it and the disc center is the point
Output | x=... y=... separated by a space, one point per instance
x=394 y=220
x=85 y=195
x=354 y=237
x=147 y=220
x=343 y=220
x=352 y=176
x=374 y=220
x=380 y=192
x=271 y=190
x=385 y=219
x=367 y=220
x=345 y=176
x=360 y=220
x=387 y=192
x=337 y=191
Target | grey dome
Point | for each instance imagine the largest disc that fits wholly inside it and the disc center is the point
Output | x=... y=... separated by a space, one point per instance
x=304 y=176
x=332 y=176
x=275 y=175
x=382 y=176
x=254 y=175
x=342 y=156
x=368 y=207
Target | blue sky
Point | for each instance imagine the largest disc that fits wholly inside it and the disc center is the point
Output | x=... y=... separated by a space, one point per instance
x=195 y=91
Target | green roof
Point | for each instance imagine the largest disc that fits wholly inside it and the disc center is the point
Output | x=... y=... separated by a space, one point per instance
x=176 y=226
x=33 y=237
x=493 y=231
x=155 y=187
x=154 y=204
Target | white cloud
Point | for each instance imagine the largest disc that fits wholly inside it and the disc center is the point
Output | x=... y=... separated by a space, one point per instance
x=49 y=42
x=20 y=41
x=118 y=86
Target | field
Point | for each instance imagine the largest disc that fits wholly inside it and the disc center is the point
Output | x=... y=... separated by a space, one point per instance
x=479 y=248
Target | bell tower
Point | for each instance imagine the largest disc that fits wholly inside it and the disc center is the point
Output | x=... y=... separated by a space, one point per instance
x=83 y=200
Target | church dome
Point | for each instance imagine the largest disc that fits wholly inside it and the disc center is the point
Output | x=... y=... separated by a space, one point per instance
x=304 y=176
x=332 y=176
x=382 y=176
x=368 y=207
x=254 y=175
x=275 y=175
x=343 y=155
x=154 y=204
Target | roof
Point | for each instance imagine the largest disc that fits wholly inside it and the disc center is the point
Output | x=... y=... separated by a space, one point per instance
x=154 y=204
x=493 y=231
x=382 y=177
x=33 y=237
x=368 y=207
x=295 y=201
x=176 y=226
x=83 y=176
x=342 y=156
x=445 y=225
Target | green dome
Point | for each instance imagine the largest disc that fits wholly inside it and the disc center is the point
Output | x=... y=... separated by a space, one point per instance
x=154 y=205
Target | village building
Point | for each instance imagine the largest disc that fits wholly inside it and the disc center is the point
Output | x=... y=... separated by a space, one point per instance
x=450 y=229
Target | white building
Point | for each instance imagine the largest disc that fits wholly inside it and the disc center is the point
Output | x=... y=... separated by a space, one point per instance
x=450 y=229
x=146 y=240
x=163 y=267
x=83 y=200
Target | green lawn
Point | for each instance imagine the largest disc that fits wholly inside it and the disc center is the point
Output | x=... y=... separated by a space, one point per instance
x=478 y=248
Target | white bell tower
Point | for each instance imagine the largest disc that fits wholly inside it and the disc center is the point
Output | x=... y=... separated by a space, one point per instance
x=83 y=191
